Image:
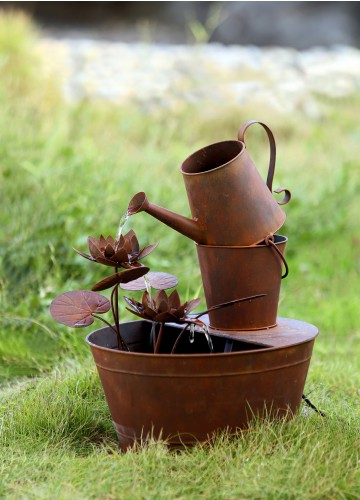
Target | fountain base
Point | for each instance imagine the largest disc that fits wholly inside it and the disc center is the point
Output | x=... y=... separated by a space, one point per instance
x=185 y=398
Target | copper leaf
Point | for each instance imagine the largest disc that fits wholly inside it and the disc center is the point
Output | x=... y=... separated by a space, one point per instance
x=134 y=245
x=174 y=300
x=122 y=277
x=145 y=251
x=134 y=312
x=133 y=274
x=75 y=308
x=162 y=281
x=106 y=262
x=166 y=317
x=127 y=243
x=93 y=244
x=121 y=255
x=159 y=281
x=109 y=250
x=161 y=301
x=192 y=304
x=85 y=255
x=110 y=240
x=134 y=304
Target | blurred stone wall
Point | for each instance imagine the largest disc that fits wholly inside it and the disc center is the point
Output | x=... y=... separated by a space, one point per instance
x=300 y=25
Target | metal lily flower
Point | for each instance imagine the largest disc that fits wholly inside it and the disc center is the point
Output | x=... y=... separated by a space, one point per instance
x=123 y=252
x=79 y=307
x=163 y=308
x=169 y=309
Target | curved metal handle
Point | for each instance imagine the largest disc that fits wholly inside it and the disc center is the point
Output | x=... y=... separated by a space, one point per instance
x=271 y=170
x=269 y=240
x=287 y=196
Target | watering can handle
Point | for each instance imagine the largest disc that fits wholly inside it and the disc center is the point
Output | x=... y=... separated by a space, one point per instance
x=271 y=171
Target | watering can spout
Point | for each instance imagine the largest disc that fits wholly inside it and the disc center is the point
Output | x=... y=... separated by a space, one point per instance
x=188 y=227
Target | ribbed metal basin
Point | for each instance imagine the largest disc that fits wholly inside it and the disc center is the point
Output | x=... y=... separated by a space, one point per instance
x=185 y=398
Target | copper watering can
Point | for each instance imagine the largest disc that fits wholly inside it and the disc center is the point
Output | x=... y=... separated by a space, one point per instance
x=229 y=201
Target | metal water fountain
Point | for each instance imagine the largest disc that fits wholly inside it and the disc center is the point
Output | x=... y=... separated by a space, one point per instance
x=259 y=361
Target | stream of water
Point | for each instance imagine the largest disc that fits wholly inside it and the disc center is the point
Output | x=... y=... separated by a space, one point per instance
x=148 y=286
x=123 y=221
x=208 y=338
x=192 y=333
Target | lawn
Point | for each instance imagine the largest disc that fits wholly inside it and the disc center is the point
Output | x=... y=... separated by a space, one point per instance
x=68 y=171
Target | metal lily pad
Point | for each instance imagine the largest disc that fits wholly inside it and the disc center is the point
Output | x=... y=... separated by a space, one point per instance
x=76 y=308
x=158 y=280
x=123 y=277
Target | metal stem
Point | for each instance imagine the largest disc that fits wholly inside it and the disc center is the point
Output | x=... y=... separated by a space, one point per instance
x=179 y=337
x=116 y=322
x=154 y=335
x=158 y=341
x=115 y=311
x=116 y=289
x=230 y=303
x=104 y=321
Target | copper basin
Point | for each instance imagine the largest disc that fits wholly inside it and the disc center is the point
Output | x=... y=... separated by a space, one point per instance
x=185 y=398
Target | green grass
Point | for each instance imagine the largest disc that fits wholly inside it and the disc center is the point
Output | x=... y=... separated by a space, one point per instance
x=59 y=443
x=69 y=171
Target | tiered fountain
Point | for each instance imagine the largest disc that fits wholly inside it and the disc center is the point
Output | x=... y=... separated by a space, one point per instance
x=259 y=362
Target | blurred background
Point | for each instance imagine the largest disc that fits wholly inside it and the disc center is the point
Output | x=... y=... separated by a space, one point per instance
x=291 y=24
x=100 y=100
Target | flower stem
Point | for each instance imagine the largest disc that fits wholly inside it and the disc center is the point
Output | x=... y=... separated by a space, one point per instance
x=158 y=341
x=115 y=311
x=229 y=303
x=116 y=290
x=104 y=321
x=179 y=337
x=153 y=330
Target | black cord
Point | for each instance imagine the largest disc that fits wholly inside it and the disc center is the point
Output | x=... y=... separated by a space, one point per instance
x=312 y=406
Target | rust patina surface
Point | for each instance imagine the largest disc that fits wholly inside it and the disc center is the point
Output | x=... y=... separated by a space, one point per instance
x=186 y=397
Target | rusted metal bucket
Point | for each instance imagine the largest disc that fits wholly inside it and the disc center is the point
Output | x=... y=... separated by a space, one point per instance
x=185 y=398
x=230 y=272
x=230 y=203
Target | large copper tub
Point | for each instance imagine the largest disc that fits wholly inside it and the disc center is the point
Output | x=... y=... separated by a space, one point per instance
x=185 y=398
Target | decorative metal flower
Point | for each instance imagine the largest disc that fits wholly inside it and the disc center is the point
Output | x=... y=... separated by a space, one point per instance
x=124 y=252
x=163 y=308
